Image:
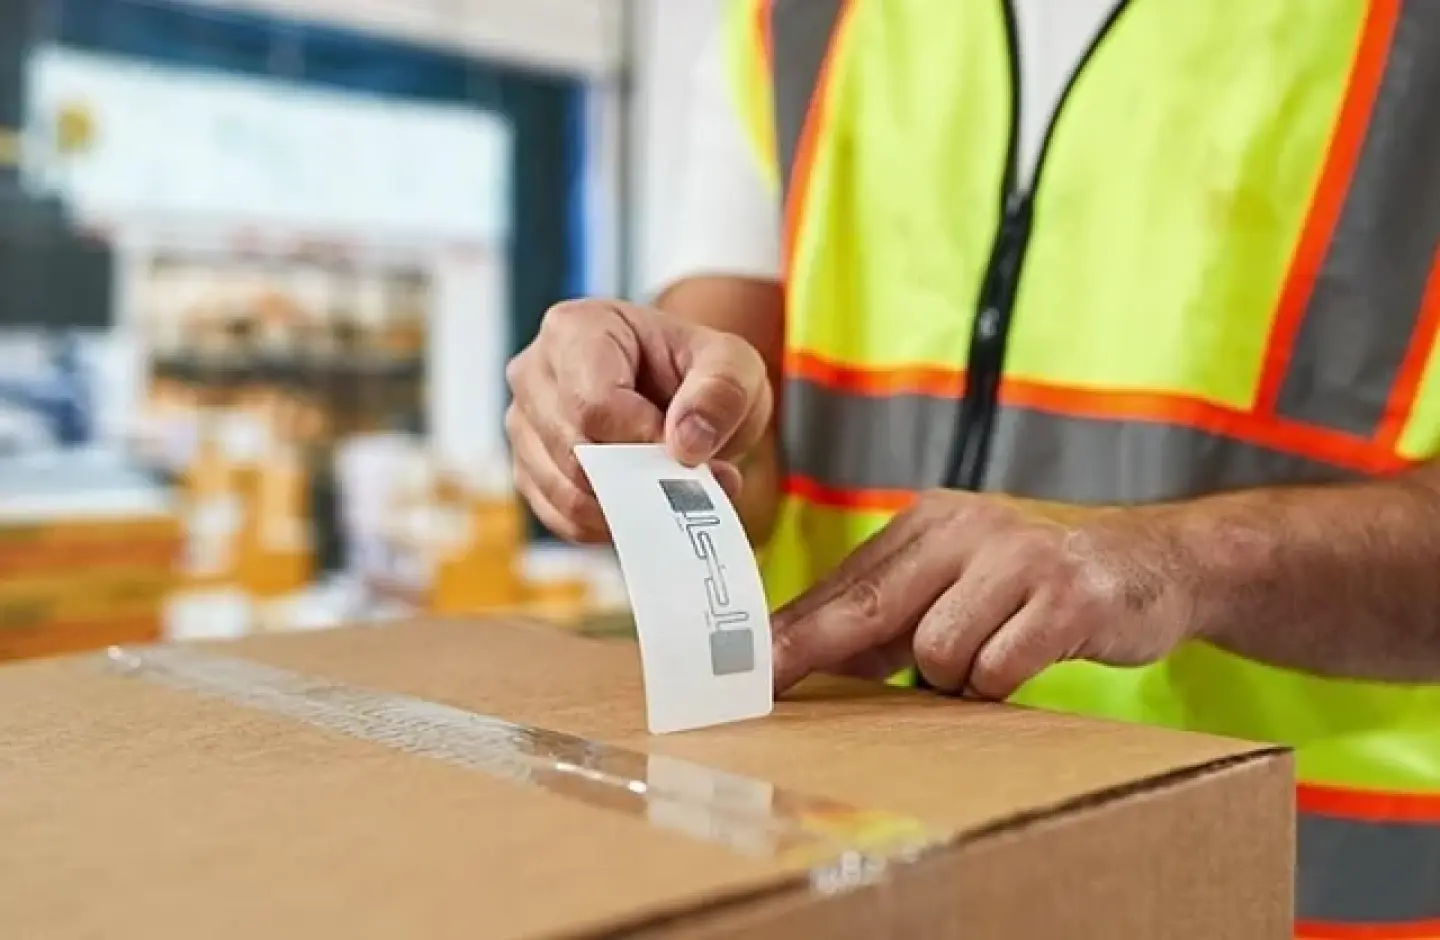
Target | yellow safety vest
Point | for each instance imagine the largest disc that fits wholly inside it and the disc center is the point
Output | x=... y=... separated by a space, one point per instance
x=1225 y=277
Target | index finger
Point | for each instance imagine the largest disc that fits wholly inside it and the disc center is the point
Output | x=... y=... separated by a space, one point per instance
x=590 y=346
x=595 y=356
x=875 y=596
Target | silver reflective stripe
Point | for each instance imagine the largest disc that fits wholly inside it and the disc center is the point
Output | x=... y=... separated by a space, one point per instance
x=857 y=442
x=1354 y=872
x=1367 y=295
x=800 y=31
x=1084 y=460
x=867 y=442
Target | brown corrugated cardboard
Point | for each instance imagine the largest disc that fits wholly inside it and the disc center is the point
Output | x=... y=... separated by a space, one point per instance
x=135 y=809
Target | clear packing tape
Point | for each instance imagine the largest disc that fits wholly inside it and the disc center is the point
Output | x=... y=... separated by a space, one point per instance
x=841 y=846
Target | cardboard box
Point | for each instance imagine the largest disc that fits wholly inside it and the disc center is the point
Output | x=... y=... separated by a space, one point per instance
x=177 y=794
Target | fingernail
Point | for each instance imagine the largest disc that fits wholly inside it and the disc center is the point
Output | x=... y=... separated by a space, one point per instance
x=696 y=437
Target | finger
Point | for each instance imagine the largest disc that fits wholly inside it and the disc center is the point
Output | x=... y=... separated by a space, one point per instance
x=1026 y=645
x=873 y=597
x=591 y=344
x=618 y=416
x=550 y=517
x=556 y=417
x=988 y=593
x=752 y=427
x=724 y=381
x=566 y=497
x=876 y=551
x=537 y=410
x=729 y=477
x=585 y=380
x=544 y=440
x=880 y=663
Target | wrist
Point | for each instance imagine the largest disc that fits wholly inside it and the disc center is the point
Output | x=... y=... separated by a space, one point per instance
x=1233 y=556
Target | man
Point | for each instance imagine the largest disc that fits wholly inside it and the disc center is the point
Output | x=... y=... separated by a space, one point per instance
x=1116 y=350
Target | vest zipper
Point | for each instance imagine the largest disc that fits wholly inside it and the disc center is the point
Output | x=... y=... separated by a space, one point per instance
x=1001 y=283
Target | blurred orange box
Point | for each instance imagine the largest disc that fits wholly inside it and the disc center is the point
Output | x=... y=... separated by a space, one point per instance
x=72 y=584
x=19 y=559
x=563 y=600
x=58 y=638
x=84 y=595
x=476 y=582
x=62 y=531
x=268 y=573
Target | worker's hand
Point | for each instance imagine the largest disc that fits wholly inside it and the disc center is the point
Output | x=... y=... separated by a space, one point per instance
x=603 y=372
x=982 y=593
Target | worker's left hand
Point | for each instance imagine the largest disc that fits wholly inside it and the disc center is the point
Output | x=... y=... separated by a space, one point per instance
x=983 y=592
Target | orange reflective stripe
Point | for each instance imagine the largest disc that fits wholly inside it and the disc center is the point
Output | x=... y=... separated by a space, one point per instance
x=764 y=38
x=1412 y=369
x=858 y=500
x=1417 y=930
x=1330 y=191
x=1368 y=806
x=857 y=380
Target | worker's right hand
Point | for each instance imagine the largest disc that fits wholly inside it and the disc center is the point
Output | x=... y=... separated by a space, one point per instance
x=606 y=372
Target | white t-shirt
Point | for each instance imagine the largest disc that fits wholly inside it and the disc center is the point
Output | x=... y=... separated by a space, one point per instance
x=727 y=221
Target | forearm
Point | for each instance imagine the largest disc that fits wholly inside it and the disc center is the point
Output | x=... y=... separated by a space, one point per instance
x=1340 y=580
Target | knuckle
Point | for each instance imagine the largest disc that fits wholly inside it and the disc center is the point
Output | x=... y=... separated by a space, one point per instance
x=515 y=369
x=1083 y=583
x=993 y=515
x=1034 y=548
x=928 y=509
x=570 y=501
x=933 y=653
x=565 y=313
x=592 y=417
x=944 y=511
x=864 y=602
x=790 y=643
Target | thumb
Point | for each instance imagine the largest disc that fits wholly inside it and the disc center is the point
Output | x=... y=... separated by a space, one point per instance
x=723 y=402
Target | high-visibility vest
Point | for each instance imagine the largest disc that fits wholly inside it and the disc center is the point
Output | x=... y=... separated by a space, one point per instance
x=1225 y=277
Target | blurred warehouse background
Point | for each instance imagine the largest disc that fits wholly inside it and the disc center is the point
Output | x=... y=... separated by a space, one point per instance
x=261 y=264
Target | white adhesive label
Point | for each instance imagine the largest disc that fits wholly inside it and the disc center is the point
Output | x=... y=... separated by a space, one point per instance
x=694 y=587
